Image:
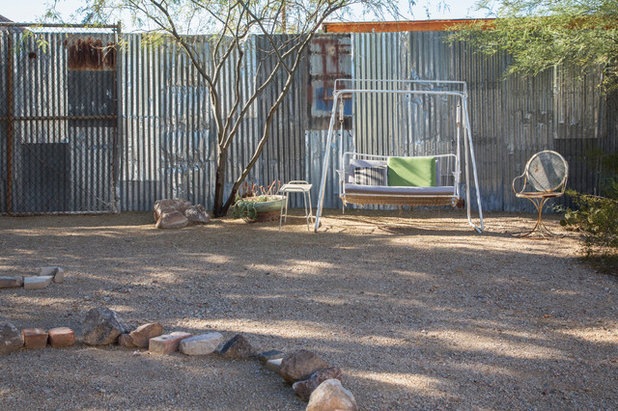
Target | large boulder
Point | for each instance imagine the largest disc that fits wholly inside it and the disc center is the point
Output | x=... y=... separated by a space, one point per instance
x=329 y=396
x=10 y=338
x=299 y=365
x=177 y=213
x=102 y=326
x=168 y=205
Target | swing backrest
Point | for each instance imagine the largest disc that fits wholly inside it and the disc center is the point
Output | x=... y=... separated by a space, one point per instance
x=375 y=170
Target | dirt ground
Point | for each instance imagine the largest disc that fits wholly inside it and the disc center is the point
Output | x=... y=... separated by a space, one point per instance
x=417 y=309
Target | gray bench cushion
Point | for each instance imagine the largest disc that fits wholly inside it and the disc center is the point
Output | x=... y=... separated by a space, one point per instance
x=399 y=190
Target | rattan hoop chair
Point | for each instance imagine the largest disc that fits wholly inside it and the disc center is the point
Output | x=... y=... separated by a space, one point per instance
x=544 y=178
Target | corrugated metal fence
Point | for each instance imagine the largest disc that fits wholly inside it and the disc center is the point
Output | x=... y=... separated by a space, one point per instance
x=166 y=140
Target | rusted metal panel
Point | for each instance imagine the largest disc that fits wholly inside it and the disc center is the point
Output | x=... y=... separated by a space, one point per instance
x=399 y=26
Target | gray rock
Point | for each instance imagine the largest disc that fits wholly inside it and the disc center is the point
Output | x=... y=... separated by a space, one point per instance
x=270 y=355
x=274 y=365
x=11 y=282
x=197 y=214
x=238 y=347
x=299 y=365
x=10 y=338
x=102 y=326
x=203 y=344
x=59 y=276
x=47 y=270
x=306 y=387
x=142 y=334
x=36 y=283
x=330 y=395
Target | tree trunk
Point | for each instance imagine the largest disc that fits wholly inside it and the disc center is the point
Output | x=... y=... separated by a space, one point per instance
x=218 y=209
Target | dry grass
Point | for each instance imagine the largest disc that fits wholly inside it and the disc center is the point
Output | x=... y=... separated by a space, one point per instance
x=418 y=311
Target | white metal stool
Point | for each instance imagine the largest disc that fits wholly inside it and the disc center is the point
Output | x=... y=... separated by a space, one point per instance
x=296 y=186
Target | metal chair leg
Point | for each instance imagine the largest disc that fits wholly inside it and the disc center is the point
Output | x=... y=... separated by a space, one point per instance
x=540 y=225
x=281 y=212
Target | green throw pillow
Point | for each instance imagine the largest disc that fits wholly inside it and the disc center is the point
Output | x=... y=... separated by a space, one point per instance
x=412 y=171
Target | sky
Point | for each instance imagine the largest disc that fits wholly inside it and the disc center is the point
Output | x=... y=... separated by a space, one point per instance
x=32 y=10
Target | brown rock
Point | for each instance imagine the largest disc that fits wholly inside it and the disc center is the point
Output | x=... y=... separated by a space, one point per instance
x=126 y=341
x=168 y=205
x=10 y=338
x=306 y=387
x=174 y=219
x=168 y=343
x=299 y=365
x=61 y=337
x=329 y=396
x=11 y=282
x=142 y=334
x=34 y=338
x=238 y=347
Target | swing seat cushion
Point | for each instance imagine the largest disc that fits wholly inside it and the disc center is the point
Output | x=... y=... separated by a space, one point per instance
x=400 y=190
x=412 y=171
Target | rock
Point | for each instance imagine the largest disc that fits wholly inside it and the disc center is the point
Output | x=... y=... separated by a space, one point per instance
x=56 y=272
x=306 y=387
x=274 y=365
x=10 y=338
x=237 y=347
x=142 y=334
x=102 y=326
x=170 y=213
x=59 y=276
x=168 y=205
x=299 y=365
x=34 y=338
x=11 y=282
x=330 y=395
x=37 y=283
x=203 y=344
x=175 y=219
x=47 y=271
x=61 y=337
x=126 y=341
x=168 y=343
x=270 y=355
x=197 y=214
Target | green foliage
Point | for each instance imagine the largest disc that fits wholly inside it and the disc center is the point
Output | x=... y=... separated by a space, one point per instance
x=596 y=218
x=244 y=209
x=546 y=33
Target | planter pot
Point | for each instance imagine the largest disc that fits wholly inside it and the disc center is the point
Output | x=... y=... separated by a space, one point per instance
x=266 y=210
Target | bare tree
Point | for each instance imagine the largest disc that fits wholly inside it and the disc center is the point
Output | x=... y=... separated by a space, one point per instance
x=232 y=22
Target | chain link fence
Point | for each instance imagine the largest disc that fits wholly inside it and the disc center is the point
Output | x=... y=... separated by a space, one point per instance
x=58 y=119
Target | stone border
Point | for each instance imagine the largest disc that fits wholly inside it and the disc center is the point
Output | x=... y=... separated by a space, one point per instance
x=312 y=379
x=44 y=278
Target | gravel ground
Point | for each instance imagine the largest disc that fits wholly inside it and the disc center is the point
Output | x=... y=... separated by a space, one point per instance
x=418 y=311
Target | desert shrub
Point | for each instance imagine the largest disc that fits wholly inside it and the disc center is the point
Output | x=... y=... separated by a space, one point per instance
x=596 y=217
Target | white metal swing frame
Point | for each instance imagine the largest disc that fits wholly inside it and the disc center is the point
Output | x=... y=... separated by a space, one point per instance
x=408 y=87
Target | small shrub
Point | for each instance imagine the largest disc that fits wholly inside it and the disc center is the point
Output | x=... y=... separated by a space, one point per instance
x=596 y=217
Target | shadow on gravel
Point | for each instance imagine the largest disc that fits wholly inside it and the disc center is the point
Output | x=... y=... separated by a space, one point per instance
x=418 y=313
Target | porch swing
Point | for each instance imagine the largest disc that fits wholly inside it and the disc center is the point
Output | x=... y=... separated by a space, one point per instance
x=428 y=180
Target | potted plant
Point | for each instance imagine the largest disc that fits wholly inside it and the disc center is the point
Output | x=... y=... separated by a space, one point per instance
x=255 y=203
